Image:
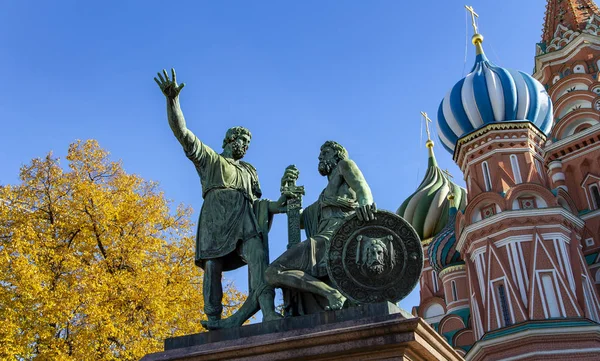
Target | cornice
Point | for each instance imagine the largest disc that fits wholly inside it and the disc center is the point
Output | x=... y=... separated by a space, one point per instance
x=574 y=137
x=590 y=215
x=520 y=213
x=450 y=269
x=593 y=328
x=460 y=153
x=564 y=54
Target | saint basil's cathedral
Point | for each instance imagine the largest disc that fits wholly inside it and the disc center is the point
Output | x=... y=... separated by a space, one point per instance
x=512 y=262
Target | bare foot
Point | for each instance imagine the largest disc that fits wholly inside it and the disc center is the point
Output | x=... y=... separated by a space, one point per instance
x=336 y=301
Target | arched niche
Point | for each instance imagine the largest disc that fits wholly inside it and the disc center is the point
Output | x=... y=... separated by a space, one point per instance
x=433 y=310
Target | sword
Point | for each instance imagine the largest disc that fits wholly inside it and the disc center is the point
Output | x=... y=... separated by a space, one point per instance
x=294 y=195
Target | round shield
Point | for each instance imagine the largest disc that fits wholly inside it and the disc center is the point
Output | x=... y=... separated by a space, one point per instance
x=375 y=261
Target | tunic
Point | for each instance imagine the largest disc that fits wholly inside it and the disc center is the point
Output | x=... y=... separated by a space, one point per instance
x=231 y=212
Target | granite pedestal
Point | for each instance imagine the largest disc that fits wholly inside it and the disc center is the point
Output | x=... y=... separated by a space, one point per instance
x=371 y=332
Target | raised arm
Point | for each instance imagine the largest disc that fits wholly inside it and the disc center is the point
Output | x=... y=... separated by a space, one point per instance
x=171 y=90
x=194 y=149
x=355 y=179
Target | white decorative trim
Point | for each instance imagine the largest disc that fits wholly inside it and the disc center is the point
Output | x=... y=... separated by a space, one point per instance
x=526 y=237
x=552 y=352
x=434 y=319
x=536 y=332
x=554 y=164
x=560 y=143
x=559 y=55
x=449 y=269
x=452 y=309
x=581 y=152
x=516 y=214
x=589 y=215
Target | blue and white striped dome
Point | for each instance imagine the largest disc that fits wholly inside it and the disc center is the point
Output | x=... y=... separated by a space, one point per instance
x=490 y=94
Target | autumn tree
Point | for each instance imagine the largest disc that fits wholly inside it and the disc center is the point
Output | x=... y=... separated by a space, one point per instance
x=94 y=263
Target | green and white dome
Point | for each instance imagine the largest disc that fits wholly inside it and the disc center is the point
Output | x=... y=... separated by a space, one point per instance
x=427 y=208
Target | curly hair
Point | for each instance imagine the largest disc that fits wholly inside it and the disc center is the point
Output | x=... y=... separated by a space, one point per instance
x=340 y=152
x=233 y=133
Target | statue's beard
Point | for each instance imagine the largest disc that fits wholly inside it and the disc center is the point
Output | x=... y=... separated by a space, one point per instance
x=237 y=151
x=326 y=167
x=376 y=268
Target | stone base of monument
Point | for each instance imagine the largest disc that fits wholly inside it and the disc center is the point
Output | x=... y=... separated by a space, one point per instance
x=371 y=332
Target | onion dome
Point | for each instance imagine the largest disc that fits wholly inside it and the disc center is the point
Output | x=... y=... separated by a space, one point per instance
x=442 y=249
x=491 y=94
x=427 y=208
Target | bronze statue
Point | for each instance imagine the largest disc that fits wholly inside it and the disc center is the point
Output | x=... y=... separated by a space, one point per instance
x=234 y=221
x=301 y=270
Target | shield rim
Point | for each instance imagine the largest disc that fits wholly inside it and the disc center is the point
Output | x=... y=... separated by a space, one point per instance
x=354 y=216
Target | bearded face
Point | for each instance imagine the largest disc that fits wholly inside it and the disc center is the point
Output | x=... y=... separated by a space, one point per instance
x=375 y=255
x=238 y=151
x=326 y=166
x=327 y=161
x=239 y=146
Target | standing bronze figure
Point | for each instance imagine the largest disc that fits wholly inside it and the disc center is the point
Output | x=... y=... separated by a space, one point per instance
x=234 y=221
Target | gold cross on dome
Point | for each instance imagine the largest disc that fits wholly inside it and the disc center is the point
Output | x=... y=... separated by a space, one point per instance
x=427 y=121
x=447 y=173
x=473 y=16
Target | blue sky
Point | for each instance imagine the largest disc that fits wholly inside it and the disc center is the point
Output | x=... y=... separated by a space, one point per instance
x=296 y=73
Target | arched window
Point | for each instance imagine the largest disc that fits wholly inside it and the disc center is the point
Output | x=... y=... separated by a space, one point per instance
x=514 y=162
x=595 y=195
x=505 y=319
x=454 y=293
x=553 y=304
x=556 y=78
x=433 y=310
x=434 y=280
x=486 y=176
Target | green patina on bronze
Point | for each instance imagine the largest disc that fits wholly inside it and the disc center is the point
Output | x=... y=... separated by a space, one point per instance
x=234 y=221
x=301 y=271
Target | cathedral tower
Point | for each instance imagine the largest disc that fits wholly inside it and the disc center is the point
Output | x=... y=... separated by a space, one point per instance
x=567 y=63
x=519 y=244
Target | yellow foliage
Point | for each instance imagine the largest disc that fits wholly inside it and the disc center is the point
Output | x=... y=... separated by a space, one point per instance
x=93 y=263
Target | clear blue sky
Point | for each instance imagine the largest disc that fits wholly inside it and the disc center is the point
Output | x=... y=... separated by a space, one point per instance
x=296 y=73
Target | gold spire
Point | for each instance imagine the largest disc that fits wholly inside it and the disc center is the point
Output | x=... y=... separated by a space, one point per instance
x=477 y=38
x=429 y=143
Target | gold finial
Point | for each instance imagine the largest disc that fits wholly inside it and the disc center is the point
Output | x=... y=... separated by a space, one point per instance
x=451 y=199
x=447 y=173
x=477 y=38
x=429 y=143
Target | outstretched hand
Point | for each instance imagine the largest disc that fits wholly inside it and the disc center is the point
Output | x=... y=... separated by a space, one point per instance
x=366 y=213
x=168 y=86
